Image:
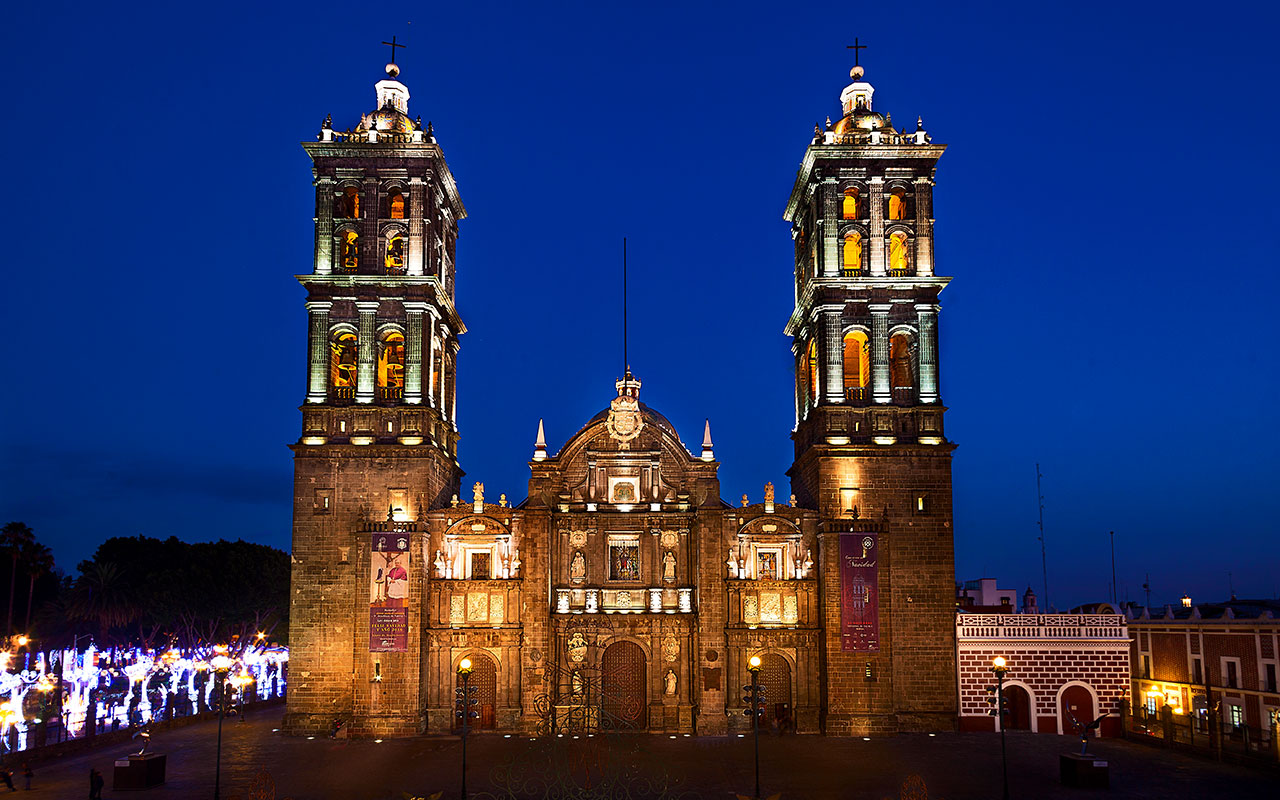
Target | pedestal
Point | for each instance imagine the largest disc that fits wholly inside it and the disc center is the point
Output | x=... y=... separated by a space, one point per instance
x=1084 y=771
x=138 y=772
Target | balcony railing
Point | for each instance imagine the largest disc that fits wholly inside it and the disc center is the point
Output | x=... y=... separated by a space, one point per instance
x=902 y=273
x=851 y=272
x=389 y=394
x=342 y=393
x=857 y=395
x=904 y=395
x=1041 y=626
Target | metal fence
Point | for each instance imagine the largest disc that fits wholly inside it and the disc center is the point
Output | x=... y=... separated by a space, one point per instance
x=1202 y=731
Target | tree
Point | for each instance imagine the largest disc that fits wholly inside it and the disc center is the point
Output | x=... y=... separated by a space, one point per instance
x=15 y=539
x=103 y=595
x=38 y=561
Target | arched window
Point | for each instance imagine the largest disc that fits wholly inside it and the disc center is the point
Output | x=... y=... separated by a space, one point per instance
x=342 y=360
x=857 y=364
x=396 y=204
x=813 y=371
x=850 y=207
x=349 y=241
x=898 y=253
x=901 y=368
x=391 y=361
x=898 y=204
x=394 y=257
x=852 y=253
x=347 y=204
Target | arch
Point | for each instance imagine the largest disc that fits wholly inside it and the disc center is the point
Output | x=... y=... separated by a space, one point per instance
x=857 y=364
x=395 y=203
x=1080 y=695
x=391 y=360
x=394 y=254
x=776 y=678
x=851 y=261
x=902 y=368
x=484 y=678
x=899 y=261
x=1020 y=702
x=624 y=700
x=812 y=369
x=343 y=357
x=346 y=203
x=348 y=248
x=849 y=205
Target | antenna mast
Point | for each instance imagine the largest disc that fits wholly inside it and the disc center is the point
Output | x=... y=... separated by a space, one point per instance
x=626 y=362
x=1044 y=559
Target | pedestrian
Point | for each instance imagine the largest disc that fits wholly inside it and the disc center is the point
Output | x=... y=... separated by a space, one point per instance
x=7 y=777
x=27 y=775
x=95 y=784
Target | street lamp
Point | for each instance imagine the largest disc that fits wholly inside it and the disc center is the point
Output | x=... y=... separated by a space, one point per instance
x=754 y=699
x=465 y=695
x=221 y=664
x=998 y=666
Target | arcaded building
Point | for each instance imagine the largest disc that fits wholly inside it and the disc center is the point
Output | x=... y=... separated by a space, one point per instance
x=623 y=593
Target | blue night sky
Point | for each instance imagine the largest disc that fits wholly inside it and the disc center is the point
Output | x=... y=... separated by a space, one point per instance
x=1106 y=207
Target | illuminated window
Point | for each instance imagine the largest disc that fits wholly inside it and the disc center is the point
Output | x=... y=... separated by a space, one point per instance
x=898 y=253
x=901 y=369
x=850 y=204
x=813 y=371
x=852 y=253
x=396 y=204
x=391 y=361
x=857 y=360
x=394 y=257
x=347 y=204
x=898 y=204
x=342 y=361
x=349 y=242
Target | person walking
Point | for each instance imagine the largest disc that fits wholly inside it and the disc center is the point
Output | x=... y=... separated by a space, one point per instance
x=7 y=777
x=96 y=783
x=27 y=775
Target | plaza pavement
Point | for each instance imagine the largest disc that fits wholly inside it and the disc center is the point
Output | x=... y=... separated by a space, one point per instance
x=952 y=767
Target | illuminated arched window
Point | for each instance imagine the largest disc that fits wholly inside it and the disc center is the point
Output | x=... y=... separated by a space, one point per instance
x=391 y=361
x=342 y=360
x=393 y=259
x=852 y=253
x=898 y=204
x=898 y=253
x=813 y=371
x=857 y=362
x=349 y=247
x=396 y=202
x=347 y=204
x=901 y=370
x=850 y=207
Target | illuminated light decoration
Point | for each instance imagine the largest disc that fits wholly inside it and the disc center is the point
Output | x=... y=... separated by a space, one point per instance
x=362 y=440
x=930 y=440
x=410 y=440
x=314 y=440
x=838 y=440
x=885 y=439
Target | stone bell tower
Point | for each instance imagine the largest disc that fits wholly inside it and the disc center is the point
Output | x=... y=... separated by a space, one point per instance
x=379 y=423
x=870 y=452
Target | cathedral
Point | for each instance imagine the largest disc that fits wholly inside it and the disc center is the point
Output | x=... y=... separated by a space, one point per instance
x=623 y=593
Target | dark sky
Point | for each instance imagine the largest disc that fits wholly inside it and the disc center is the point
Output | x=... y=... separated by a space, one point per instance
x=1107 y=208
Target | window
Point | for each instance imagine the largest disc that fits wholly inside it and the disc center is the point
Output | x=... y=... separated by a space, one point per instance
x=479 y=565
x=342 y=361
x=393 y=259
x=391 y=361
x=399 y=504
x=349 y=250
x=395 y=204
x=1197 y=672
x=920 y=504
x=847 y=497
x=898 y=204
x=857 y=364
x=767 y=564
x=898 y=253
x=813 y=371
x=852 y=262
x=1270 y=676
x=901 y=370
x=1146 y=666
x=1232 y=668
x=1236 y=714
x=323 y=501
x=850 y=203
x=347 y=204
x=624 y=558
x=1152 y=705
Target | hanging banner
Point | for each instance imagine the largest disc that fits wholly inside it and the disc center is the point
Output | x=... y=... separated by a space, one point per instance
x=859 y=592
x=389 y=593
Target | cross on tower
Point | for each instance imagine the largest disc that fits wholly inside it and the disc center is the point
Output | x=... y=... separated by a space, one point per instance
x=855 y=47
x=392 y=44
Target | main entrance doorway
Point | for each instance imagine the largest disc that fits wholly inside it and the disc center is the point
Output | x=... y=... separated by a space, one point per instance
x=484 y=678
x=623 y=699
x=775 y=677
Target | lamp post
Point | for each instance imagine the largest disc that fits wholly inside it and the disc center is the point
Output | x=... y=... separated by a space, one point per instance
x=754 y=695
x=464 y=703
x=998 y=666
x=221 y=664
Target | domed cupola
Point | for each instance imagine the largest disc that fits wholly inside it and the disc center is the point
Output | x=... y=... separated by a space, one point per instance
x=392 y=113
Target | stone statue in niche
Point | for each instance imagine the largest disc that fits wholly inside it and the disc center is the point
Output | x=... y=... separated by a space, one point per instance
x=577 y=567
x=671 y=680
x=440 y=564
x=669 y=567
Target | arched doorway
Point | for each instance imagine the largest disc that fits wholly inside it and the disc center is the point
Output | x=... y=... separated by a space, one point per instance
x=623 y=699
x=484 y=677
x=1076 y=701
x=1018 y=702
x=775 y=678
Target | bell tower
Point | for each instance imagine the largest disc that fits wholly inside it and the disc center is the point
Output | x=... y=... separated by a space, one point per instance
x=379 y=425
x=870 y=451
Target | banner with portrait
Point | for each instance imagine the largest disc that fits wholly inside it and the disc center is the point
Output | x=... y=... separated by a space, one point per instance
x=859 y=592
x=389 y=593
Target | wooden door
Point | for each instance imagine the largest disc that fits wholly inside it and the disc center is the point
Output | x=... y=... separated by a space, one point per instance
x=775 y=677
x=1018 y=703
x=1077 y=701
x=623 y=696
x=484 y=677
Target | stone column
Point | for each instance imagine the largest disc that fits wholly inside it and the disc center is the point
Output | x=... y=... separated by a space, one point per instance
x=366 y=352
x=832 y=357
x=324 y=225
x=830 y=221
x=433 y=392
x=875 y=200
x=318 y=351
x=370 y=253
x=927 y=351
x=452 y=382
x=924 y=227
x=416 y=226
x=880 y=390
x=413 y=310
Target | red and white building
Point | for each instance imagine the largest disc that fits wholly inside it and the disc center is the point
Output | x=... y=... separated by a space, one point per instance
x=1059 y=665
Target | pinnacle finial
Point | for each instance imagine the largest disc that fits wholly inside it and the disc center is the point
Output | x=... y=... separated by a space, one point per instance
x=708 y=452
x=540 y=444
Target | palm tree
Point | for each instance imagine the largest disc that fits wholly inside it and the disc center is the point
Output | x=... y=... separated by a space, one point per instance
x=103 y=594
x=15 y=538
x=38 y=561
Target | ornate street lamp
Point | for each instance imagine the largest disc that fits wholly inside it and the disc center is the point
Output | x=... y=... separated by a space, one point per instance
x=998 y=666
x=221 y=664
x=465 y=696
x=754 y=700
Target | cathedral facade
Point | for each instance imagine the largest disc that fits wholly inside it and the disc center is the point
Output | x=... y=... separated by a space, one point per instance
x=623 y=593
